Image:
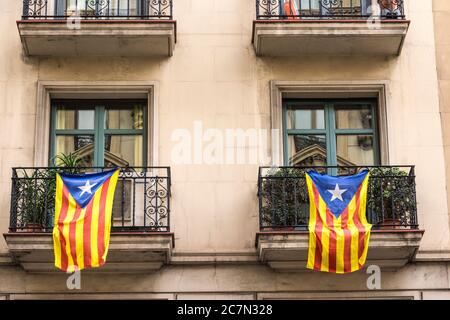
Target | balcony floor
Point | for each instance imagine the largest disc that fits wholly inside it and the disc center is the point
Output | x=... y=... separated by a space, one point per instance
x=287 y=250
x=98 y=38
x=128 y=252
x=328 y=37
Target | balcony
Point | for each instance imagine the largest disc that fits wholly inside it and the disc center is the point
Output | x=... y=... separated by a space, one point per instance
x=323 y=27
x=102 y=28
x=140 y=236
x=282 y=242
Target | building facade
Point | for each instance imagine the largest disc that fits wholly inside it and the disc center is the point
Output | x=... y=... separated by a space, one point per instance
x=202 y=103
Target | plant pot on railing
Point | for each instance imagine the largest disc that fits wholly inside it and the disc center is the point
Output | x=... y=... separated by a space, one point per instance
x=33 y=227
x=388 y=224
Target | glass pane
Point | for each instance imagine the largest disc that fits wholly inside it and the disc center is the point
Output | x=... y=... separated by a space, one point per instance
x=306 y=119
x=83 y=146
x=307 y=150
x=354 y=117
x=69 y=118
x=132 y=118
x=123 y=8
x=355 y=150
x=122 y=204
x=123 y=151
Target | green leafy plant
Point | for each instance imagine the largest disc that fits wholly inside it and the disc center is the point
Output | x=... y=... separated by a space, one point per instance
x=391 y=196
x=285 y=201
x=37 y=192
x=71 y=162
x=284 y=198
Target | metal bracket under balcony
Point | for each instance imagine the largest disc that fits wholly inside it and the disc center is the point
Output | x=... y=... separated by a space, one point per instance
x=320 y=27
x=284 y=215
x=97 y=28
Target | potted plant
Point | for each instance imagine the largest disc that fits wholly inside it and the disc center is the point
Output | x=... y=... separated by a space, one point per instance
x=284 y=200
x=390 y=198
x=37 y=193
x=36 y=199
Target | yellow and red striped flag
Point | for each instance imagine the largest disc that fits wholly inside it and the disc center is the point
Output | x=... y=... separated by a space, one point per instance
x=338 y=229
x=83 y=209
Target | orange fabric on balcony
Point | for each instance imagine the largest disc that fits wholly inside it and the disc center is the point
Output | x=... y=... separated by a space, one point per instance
x=290 y=9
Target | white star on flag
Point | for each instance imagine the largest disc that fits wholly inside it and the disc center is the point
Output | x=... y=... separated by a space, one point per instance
x=337 y=193
x=86 y=188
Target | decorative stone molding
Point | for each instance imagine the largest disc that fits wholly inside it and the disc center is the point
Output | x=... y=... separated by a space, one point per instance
x=48 y=90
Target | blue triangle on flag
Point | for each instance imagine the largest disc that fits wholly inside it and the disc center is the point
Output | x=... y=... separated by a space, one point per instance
x=337 y=192
x=82 y=187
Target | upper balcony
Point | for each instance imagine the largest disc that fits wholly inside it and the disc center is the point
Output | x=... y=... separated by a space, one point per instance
x=97 y=28
x=329 y=27
x=282 y=242
x=140 y=236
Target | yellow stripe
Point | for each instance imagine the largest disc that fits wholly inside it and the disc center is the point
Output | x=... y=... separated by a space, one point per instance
x=339 y=244
x=56 y=235
x=94 y=227
x=311 y=226
x=325 y=235
x=80 y=239
x=363 y=219
x=70 y=213
x=108 y=210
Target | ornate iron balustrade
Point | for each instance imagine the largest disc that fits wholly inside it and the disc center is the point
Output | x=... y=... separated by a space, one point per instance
x=329 y=9
x=141 y=201
x=284 y=202
x=97 y=9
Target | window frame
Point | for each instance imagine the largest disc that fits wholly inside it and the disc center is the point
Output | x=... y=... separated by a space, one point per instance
x=99 y=132
x=330 y=131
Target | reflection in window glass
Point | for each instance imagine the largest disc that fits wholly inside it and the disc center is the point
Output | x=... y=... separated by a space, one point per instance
x=125 y=118
x=359 y=117
x=306 y=119
x=357 y=149
x=67 y=118
x=307 y=150
x=123 y=150
x=83 y=145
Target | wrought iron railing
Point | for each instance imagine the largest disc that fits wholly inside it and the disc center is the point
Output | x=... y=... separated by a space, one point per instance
x=141 y=201
x=284 y=202
x=329 y=9
x=97 y=9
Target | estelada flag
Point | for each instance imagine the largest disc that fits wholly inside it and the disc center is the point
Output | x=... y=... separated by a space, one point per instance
x=83 y=209
x=338 y=229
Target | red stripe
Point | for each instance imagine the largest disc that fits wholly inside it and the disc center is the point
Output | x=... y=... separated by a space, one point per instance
x=101 y=222
x=87 y=234
x=359 y=225
x=318 y=232
x=73 y=235
x=347 y=240
x=61 y=218
x=332 y=242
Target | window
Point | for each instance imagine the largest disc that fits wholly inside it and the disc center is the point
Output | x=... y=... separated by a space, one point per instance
x=330 y=133
x=102 y=132
x=100 y=8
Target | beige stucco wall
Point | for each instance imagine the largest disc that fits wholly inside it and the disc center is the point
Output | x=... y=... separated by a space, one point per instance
x=441 y=10
x=215 y=77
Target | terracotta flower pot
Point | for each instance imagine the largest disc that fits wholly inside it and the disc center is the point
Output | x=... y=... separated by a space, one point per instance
x=387 y=224
x=33 y=227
